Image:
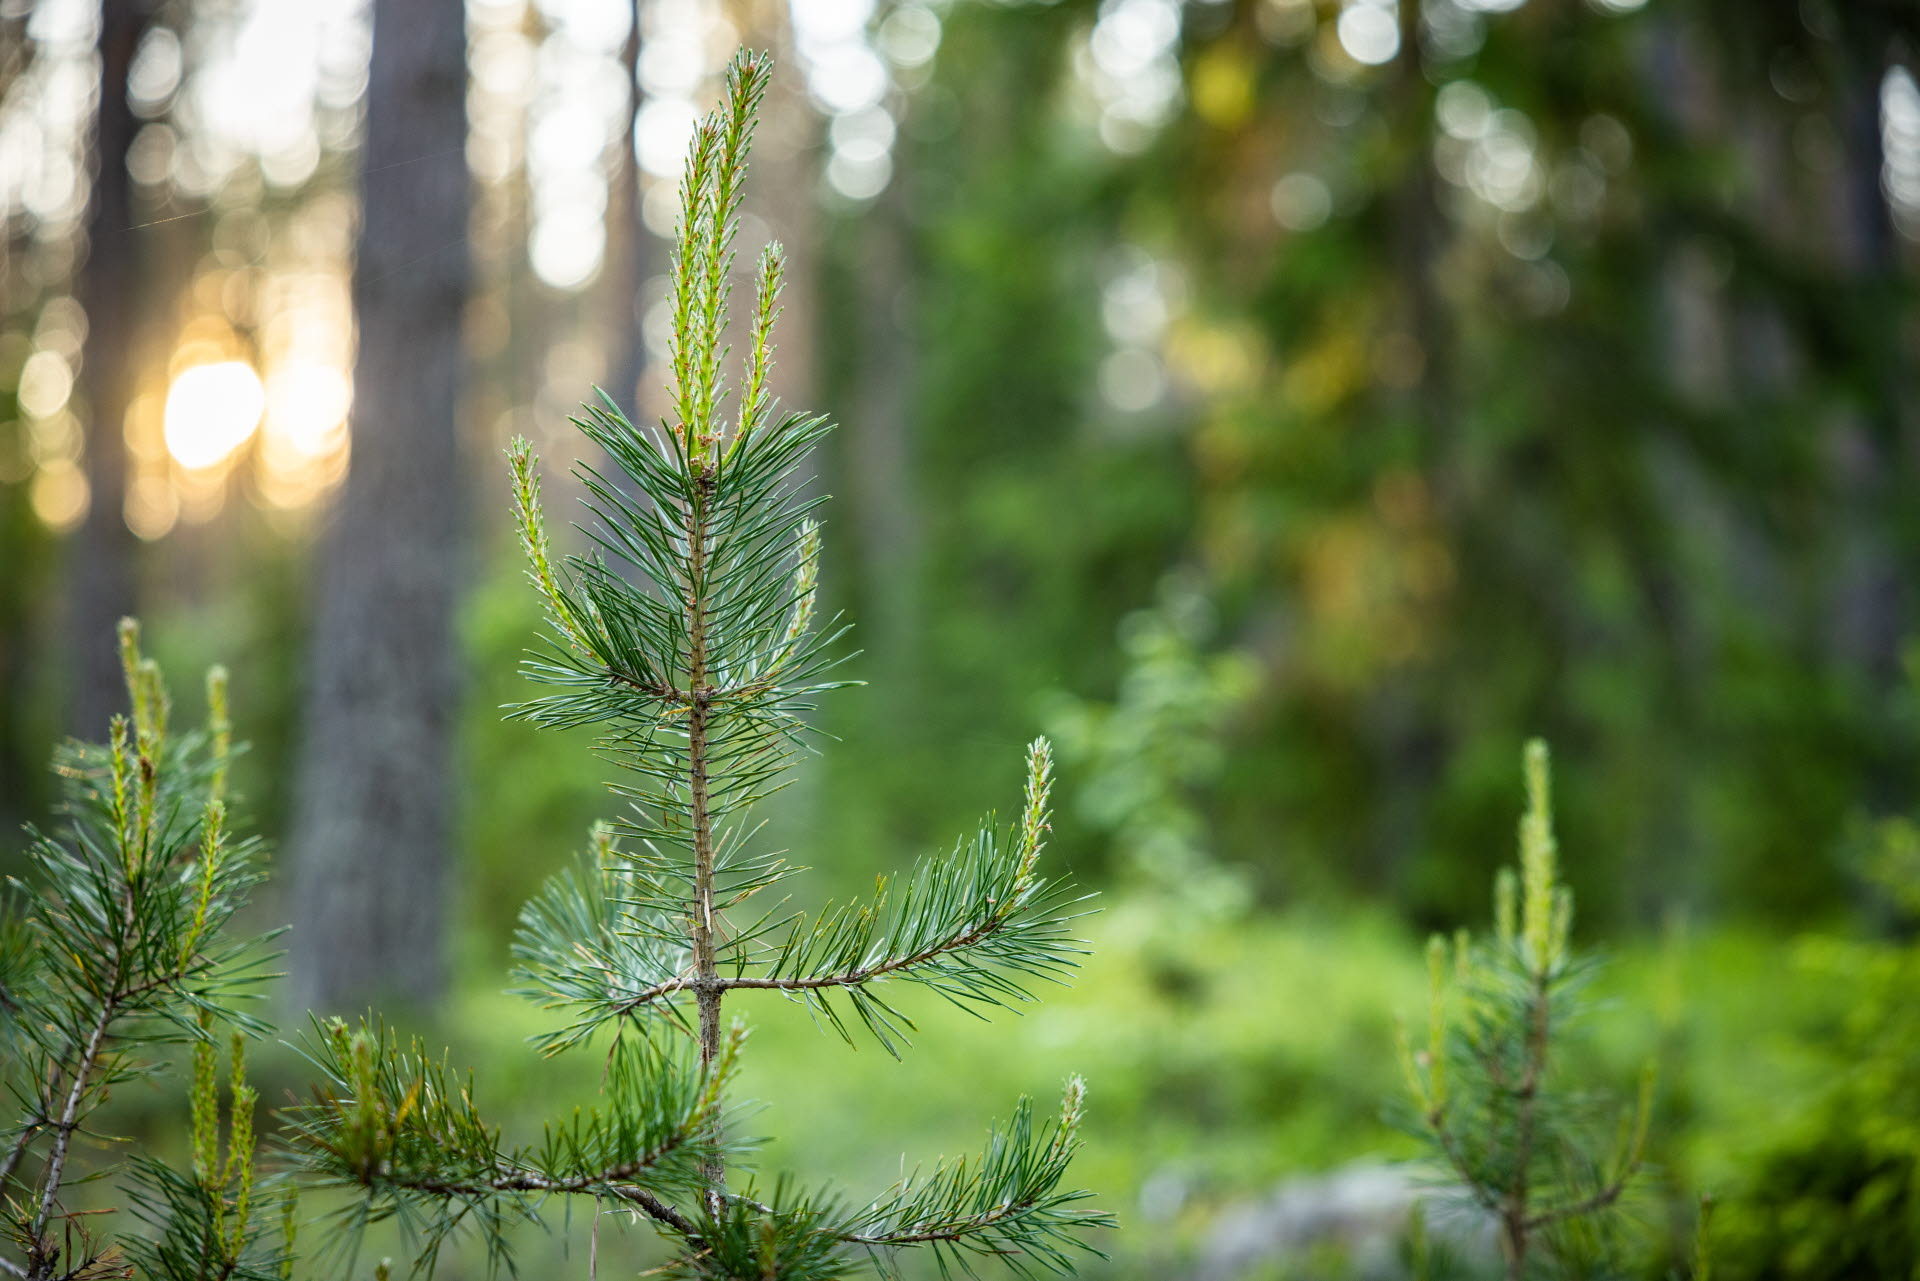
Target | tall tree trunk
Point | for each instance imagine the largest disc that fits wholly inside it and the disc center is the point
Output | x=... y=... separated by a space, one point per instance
x=1407 y=737
x=372 y=814
x=100 y=576
x=23 y=539
x=1870 y=605
x=879 y=432
x=781 y=186
x=628 y=260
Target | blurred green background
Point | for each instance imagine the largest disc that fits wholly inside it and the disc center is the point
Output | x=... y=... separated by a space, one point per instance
x=1291 y=406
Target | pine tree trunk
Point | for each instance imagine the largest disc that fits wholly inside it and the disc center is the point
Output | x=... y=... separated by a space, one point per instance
x=879 y=454
x=1408 y=742
x=628 y=259
x=781 y=188
x=100 y=573
x=373 y=810
x=1870 y=595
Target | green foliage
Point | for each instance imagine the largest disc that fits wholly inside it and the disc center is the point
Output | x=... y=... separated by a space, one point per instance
x=403 y=1131
x=1834 y=1191
x=688 y=644
x=1150 y=757
x=114 y=948
x=1490 y=1096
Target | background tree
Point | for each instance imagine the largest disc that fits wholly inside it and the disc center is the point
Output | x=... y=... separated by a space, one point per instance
x=100 y=575
x=373 y=817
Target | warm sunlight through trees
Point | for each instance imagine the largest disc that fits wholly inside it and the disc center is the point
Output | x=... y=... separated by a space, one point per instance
x=211 y=411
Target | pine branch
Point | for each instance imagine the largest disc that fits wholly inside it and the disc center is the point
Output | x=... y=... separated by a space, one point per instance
x=1007 y=1203
x=973 y=926
x=603 y=940
x=116 y=943
x=405 y=1131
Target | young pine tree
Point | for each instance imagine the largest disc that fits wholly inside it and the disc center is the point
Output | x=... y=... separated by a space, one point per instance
x=113 y=949
x=691 y=646
x=1491 y=1097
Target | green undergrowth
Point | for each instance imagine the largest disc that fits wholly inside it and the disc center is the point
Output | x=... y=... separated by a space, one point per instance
x=1222 y=1066
x=1219 y=1066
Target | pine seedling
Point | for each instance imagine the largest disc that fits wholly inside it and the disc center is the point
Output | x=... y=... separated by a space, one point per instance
x=114 y=948
x=689 y=640
x=1490 y=1099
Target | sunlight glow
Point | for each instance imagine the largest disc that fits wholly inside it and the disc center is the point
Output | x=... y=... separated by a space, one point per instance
x=307 y=405
x=211 y=411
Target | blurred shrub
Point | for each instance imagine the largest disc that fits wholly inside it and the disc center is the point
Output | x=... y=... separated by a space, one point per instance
x=1147 y=762
x=1836 y=1192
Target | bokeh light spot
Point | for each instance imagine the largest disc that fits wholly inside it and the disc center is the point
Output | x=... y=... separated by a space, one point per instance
x=211 y=410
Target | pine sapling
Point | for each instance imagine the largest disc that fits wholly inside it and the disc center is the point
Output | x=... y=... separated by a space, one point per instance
x=1490 y=1095
x=115 y=947
x=689 y=640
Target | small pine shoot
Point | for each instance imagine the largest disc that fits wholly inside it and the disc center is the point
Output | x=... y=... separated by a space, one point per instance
x=113 y=949
x=1489 y=1101
x=223 y=1221
x=690 y=640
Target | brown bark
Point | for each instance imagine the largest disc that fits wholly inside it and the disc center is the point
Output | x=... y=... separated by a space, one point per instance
x=628 y=245
x=879 y=434
x=1871 y=600
x=781 y=189
x=373 y=810
x=100 y=574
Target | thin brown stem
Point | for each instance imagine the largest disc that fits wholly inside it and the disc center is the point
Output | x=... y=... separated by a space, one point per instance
x=1437 y=1122
x=850 y=978
x=63 y=1133
x=605 y=1181
x=1516 y=1223
x=945 y=1232
x=21 y=1142
x=40 y=1259
x=707 y=988
x=1598 y=1201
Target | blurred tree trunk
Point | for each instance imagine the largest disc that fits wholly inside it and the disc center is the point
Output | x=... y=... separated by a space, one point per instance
x=628 y=262
x=781 y=190
x=879 y=456
x=372 y=814
x=23 y=765
x=100 y=576
x=1405 y=729
x=23 y=539
x=1868 y=613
